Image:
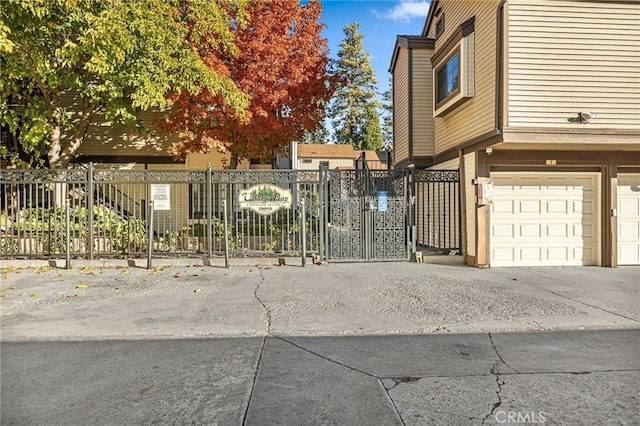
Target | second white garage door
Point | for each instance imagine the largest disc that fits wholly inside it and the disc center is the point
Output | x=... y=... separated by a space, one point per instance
x=629 y=219
x=545 y=219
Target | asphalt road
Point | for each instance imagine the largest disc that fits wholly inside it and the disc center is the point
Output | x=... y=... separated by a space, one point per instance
x=564 y=377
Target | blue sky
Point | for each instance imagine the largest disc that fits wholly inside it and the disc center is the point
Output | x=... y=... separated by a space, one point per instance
x=380 y=22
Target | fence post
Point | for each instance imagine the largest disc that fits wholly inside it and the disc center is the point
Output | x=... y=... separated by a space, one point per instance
x=150 y=235
x=322 y=218
x=67 y=220
x=303 y=232
x=226 y=234
x=209 y=212
x=90 y=201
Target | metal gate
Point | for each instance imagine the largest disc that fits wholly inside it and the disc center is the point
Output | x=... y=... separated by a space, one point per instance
x=367 y=215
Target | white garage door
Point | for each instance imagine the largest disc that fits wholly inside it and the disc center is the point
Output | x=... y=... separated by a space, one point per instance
x=629 y=219
x=544 y=219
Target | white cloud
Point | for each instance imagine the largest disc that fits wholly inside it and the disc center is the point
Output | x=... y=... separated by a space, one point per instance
x=405 y=11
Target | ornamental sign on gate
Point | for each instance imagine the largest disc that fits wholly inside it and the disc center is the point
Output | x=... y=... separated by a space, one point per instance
x=264 y=199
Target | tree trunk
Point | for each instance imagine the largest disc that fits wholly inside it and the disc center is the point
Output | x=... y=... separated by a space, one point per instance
x=59 y=156
x=233 y=162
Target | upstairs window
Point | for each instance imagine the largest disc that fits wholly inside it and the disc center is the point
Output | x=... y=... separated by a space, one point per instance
x=454 y=75
x=448 y=78
x=440 y=27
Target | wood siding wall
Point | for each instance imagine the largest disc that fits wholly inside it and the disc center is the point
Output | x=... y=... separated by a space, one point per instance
x=401 y=107
x=469 y=222
x=422 y=108
x=107 y=138
x=476 y=116
x=566 y=57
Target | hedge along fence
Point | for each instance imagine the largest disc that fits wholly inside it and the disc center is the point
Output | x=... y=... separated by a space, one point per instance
x=42 y=231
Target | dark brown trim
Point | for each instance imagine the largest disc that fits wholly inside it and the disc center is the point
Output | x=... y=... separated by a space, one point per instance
x=433 y=7
x=142 y=159
x=409 y=42
x=468 y=26
x=417 y=162
x=544 y=169
x=574 y=131
x=481 y=141
x=563 y=158
x=465 y=29
x=422 y=162
x=446 y=156
x=628 y=169
x=608 y=223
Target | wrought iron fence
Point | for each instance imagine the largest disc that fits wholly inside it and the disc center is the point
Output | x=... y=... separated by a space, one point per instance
x=437 y=210
x=110 y=213
x=347 y=215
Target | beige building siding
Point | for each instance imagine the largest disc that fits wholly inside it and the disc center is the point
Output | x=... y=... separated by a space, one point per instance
x=476 y=116
x=334 y=163
x=567 y=57
x=106 y=138
x=218 y=160
x=452 y=164
x=422 y=108
x=469 y=221
x=401 y=107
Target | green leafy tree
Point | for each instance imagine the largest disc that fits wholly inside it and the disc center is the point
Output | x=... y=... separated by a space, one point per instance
x=112 y=57
x=356 y=90
x=387 y=115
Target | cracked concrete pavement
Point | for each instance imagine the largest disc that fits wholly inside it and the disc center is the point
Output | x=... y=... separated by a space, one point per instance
x=256 y=298
x=392 y=343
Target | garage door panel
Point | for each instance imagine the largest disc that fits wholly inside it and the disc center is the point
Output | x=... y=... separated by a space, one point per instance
x=503 y=230
x=629 y=206
x=529 y=207
x=629 y=219
x=557 y=207
x=554 y=222
x=556 y=230
x=529 y=230
x=503 y=206
x=530 y=254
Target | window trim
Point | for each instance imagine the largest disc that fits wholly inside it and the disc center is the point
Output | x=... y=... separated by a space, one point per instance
x=437 y=70
x=465 y=47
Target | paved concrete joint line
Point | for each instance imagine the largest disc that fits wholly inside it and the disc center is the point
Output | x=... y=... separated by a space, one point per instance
x=380 y=380
x=581 y=302
x=264 y=341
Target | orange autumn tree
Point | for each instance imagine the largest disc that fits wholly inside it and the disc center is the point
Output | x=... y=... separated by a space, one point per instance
x=281 y=62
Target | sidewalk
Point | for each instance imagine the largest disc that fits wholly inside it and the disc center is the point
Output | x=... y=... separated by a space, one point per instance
x=255 y=297
x=352 y=344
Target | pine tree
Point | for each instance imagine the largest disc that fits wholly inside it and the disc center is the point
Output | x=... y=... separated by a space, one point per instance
x=317 y=137
x=387 y=115
x=356 y=90
x=371 y=134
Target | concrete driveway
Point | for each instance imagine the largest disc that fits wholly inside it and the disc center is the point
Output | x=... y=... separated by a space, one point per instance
x=256 y=298
x=353 y=344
